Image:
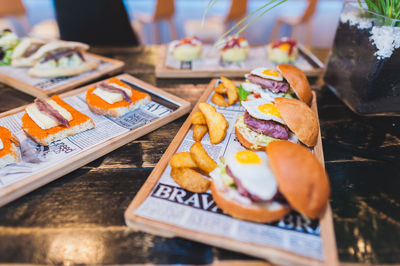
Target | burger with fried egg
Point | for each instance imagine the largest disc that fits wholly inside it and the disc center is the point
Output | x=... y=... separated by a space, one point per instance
x=263 y=187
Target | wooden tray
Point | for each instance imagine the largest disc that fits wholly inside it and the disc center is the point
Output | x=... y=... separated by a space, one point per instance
x=27 y=185
x=114 y=68
x=163 y=71
x=273 y=255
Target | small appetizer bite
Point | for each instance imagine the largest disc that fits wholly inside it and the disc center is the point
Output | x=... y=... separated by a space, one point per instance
x=236 y=49
x=263 y=187
x=286 y=119
x=115 y=98
x=9 y=153
x=23 y=53
x=187 y=49
x=8 y=41
x=46 y=121
x=61 y=58
x=289 y=82
x=283 y=51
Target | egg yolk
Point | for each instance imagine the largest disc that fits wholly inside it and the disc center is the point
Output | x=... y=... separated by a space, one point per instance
x=269 y=109
x=271 y=73
x=247 y=157
x=284 y=47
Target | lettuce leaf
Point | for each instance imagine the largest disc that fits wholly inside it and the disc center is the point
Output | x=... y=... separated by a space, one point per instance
x=6 y=60
x=242 y=93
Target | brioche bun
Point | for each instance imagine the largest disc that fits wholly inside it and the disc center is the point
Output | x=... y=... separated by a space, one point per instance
x=246 y=142
x=260 y=213
x=298 y=81
x=300 y=119
x=301 y=177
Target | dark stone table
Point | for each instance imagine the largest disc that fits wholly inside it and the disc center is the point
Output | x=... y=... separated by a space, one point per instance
x=79 y=217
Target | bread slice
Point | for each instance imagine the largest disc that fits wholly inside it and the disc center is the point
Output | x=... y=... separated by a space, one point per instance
x=18 y=59
x=79 y=123
x=63 y=71
x=254 y=212
x=298 y=81
x=9 y=154
x=58 y=46
x=301 y=177
x=98 y=106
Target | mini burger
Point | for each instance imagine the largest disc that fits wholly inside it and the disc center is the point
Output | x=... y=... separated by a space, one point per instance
x=187 y=49
x=9 y=153
x=283 y=51
x=236 y=49
x=289 y=82
x=23 y=53
x=61 y=59
x=284 y=119
x=263 y=186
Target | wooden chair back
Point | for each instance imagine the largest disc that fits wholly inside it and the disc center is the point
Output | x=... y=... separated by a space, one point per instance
x=165 y=9
x=237 y=10
x=12 y=8
x=310 y=10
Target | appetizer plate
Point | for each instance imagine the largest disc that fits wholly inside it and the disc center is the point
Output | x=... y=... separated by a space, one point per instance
x=163 y=208
x=40 y=165
x=210 y=64
x=19 y=79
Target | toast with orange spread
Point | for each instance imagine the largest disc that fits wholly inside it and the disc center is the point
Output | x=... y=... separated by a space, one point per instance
x=9 y=153
x=114 y=98
x=46 y=121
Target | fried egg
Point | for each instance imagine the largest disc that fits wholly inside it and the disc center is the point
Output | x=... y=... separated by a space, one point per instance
x=267 y=73
x=265 y=94
x=252 y=171
x=263 y=109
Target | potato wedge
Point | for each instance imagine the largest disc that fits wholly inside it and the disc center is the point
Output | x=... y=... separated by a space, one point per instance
x=198 y=118
x=216 y=122
x=199 y=131
x=220 y=88
x=231 y=90
x=218 y=99
x=182 y=159
x=190 y=180
x=201 y=157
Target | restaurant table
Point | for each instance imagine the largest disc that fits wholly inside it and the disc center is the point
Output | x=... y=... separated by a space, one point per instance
x=78 y=218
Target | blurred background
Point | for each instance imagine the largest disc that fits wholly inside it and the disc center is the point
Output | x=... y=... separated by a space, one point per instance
x=312 y=22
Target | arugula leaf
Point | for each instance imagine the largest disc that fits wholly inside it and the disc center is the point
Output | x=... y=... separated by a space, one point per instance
x=242 y=93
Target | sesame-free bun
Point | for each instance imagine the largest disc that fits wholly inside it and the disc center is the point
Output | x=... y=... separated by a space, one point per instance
x=298 y=81
x=18 y=59
x=63 y=71
x=58 y=46
x=260 y=213
x=301 y=177
x=300 y=119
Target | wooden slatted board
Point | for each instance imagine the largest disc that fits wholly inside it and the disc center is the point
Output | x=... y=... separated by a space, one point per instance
x=27 y=185
x=273 y=255
x=163 y=71
x=114 y=68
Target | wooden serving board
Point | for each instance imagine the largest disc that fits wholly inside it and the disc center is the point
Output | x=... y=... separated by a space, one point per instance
x=178 y=106
x=164 y=71
x=271 y=254
x=114 y=67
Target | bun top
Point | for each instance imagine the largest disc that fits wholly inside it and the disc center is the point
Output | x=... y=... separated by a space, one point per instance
x=301 y=177
x=300 y=119
x=298 y=81
x=19 y=51
x=58 y=46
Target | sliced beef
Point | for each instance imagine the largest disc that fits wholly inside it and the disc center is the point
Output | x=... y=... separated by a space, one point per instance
x=269 y=84
x=266 y=127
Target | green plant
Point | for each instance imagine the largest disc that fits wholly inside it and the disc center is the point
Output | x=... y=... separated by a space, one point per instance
x=256 y=14
x=388 y=8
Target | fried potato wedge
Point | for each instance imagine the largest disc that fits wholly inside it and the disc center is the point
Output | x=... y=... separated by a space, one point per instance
x=199 y=131
x=198 y=119
x=190 y=180
x=218 y=99
x=220 y=88
x=201 y=157
x=231 y=90
x=182 y=159
x=216 y=122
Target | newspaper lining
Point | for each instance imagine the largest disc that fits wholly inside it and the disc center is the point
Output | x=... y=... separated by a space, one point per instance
x=36 y=158
x=47 y=84
x=169 y=203
x=211 y=60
